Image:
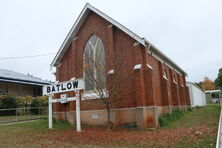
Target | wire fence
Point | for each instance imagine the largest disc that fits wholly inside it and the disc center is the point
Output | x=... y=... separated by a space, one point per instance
x=22 y=114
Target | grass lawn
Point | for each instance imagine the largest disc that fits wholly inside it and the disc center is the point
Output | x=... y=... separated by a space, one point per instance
x=197 y=128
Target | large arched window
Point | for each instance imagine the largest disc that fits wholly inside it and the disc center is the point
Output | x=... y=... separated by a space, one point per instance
x=94 y=64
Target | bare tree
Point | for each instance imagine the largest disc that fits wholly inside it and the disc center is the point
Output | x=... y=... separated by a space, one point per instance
x=106 y=84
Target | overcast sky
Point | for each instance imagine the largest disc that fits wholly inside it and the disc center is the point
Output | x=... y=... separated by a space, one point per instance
x=187 y=31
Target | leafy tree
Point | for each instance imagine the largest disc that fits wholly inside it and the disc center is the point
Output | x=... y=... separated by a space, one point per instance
x=218 y=80
x=207 y=84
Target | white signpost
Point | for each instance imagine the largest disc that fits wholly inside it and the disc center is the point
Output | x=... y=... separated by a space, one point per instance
x=73 y=85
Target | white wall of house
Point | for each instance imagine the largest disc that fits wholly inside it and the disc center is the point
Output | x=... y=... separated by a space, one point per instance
x=197 y=96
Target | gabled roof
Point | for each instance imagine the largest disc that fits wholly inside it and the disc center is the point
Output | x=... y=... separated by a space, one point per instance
x=80 y=20
x=11 y=76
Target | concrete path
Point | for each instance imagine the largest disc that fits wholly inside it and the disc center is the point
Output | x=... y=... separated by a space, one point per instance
x=17 y=122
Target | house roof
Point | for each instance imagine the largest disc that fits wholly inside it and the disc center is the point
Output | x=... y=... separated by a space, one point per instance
x=81 y=18
x=11 y=76
x=213 y=91
x=191 y=83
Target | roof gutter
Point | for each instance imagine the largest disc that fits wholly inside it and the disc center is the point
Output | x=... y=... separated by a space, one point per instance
x=165 y=58
x=23 y=81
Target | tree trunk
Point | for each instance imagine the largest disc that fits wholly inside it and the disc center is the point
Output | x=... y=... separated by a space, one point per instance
x=108 y=116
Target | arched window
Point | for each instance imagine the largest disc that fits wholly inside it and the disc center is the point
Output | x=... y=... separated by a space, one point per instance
x=94 y=64
x=174 y=79
x=165 y=74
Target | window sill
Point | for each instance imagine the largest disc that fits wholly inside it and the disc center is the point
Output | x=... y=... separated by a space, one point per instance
x=165 y=77
x=111 y=71
x=137 y=66
x=91 y=95
x=150 y=67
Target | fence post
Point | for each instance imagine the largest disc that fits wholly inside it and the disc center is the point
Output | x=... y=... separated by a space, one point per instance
x=24 y=113
x=39 y=112
x=50 y=111
x=16 y=114
x=78 y=123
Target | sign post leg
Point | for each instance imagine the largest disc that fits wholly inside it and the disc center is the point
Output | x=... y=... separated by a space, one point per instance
x=50 y=111
x=78 y=124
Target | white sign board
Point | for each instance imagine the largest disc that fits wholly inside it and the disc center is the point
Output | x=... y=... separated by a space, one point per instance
x=76 y=84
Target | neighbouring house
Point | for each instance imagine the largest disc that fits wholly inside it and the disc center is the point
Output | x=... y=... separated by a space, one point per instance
x=18 y=84
x=213 y=96
x=197 y=95
x=154 y=84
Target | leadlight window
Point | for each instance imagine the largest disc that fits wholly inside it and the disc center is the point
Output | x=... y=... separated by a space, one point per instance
x=94 y=64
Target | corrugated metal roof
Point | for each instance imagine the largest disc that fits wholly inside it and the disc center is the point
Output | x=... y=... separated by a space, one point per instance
x=11 y=76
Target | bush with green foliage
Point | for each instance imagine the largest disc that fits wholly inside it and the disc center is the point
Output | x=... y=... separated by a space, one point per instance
x=41 y=101
x=215 y=95
x=167 y=118
x=24 y=101
x=7 y=102
x=129 y=125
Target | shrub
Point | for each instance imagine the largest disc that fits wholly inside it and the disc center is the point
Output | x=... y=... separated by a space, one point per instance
x=190 y=109
x=197 y=107
x=165 y=119
x=24 y=101
x=215 y=95
x=7 y=102
x=129 y=125
x=41 y=101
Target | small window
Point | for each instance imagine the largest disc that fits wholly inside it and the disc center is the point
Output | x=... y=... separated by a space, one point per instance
x=6 y=90
x=3 y=91
x=174 y=79
x=181 y=81
x=34 y=92
x=37 y=91
x=165 y=74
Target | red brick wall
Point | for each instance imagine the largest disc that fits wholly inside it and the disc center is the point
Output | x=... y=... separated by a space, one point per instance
x=144 y=87
x=174 y=88
x=155 y=79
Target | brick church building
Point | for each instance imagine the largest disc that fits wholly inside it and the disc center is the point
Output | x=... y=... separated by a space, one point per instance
x=154 y=84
